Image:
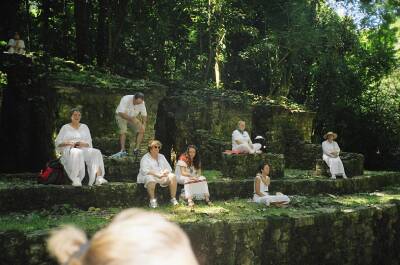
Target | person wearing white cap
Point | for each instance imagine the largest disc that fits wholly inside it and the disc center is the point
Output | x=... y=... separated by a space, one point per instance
x=330 y=154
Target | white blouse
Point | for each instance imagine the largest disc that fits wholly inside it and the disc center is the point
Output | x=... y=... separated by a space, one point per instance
x=69 y=133
x=147 y=164
x=238 y=136
x=328 y=147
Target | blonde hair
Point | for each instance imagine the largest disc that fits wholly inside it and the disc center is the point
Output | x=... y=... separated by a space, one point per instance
x=153 y=143
x=133 y=237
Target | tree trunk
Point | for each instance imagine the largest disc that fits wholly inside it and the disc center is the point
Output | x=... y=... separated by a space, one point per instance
x=81 y=13
x=45 y=32
x=8 y=18
x=120 y=15
x=102 y=32
x=27 y=115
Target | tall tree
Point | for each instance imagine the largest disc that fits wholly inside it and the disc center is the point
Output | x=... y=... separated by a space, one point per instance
x=81 y=12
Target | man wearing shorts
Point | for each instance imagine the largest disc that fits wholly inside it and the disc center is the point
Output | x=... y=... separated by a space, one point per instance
x=126 y=114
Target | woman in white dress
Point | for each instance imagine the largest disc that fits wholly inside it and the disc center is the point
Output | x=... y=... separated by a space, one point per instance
x=330 y=154
x=241 y=141
x=188 y=173
x=154 y=168
x=74 y=143
x=261 y=183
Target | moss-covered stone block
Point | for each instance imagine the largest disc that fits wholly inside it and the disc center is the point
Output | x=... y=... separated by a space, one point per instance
x=210 y=149
x=127 y=167
x=353 y=165
x=245 y=166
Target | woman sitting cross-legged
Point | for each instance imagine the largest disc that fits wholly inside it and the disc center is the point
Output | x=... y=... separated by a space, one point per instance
x=241 y=141
x=154 y=168
x=188 y=173
x=74 y=143
x=261 y=183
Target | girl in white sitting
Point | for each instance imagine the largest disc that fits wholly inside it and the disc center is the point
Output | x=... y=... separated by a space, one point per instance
x=74 y=143
x=188 y=173
x=261 y=183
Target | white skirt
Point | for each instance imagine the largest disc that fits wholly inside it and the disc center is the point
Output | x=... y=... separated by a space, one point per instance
x=164 y=182
x=268 y=199
x=196 y=190
x=335 y=165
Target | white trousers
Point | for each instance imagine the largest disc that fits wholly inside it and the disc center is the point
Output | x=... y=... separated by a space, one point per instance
x=335 y=165
x=245 y=148
x=268 y=199
x=74 y=160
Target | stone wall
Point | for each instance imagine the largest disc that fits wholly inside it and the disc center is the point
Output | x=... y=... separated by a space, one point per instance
x=366 y=235
x=246 y=166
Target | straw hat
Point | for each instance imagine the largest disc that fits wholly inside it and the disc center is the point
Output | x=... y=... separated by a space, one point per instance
x=330 y=133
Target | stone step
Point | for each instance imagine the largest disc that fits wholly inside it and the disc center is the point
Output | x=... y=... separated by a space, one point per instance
x=237 y=232
x=29 y=196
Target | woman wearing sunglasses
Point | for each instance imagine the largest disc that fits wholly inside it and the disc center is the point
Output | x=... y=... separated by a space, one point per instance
x=155 y=169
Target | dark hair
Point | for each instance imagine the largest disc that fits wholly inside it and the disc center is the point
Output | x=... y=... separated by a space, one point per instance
x=139 y=95
x=262 y=165
x=76 y=109
x=196 y=160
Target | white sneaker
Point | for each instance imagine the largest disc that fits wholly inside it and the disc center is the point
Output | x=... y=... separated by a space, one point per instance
x=333 y=177
x=76 y=184
x=344 y=176
x=174 y=202
x=100 y=181
x=153 y=203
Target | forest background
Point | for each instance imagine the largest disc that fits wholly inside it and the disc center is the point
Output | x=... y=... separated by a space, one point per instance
x=337 y=58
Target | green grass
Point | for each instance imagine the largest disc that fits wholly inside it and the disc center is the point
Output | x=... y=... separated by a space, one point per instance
x=236 y=210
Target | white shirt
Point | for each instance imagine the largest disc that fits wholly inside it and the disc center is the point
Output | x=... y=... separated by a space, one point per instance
x=148 y=163
x=328 y=147
x=126 y=106
x=238 y=136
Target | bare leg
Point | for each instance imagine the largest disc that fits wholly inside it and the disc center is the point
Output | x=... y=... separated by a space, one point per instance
x=151 y=187
x=139 y=136
x=172 y=186
x=122 y=140
x=98 y=172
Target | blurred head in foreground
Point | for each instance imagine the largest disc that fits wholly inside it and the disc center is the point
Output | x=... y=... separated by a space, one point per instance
x=133 y=237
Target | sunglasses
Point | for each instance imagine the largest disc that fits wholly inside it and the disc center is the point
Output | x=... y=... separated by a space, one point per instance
x=157 y=147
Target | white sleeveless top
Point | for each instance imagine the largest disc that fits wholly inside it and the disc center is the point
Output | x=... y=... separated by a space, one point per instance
x=263 y=187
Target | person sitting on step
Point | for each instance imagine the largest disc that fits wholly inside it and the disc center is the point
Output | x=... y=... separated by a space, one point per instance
x=74 y=143
x=241 y=141
x=155 y=169
x=126 y=116
x=330 y=154
x=134 y=237
x=261 y=194
x=188 y=173
x=16 y=45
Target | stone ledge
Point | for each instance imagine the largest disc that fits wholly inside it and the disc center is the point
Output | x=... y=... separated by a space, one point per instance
x=131 y=194
x=244 y=165
x=353 y=165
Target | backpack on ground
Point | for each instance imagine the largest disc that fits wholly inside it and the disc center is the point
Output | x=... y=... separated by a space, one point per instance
x=53 y=173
